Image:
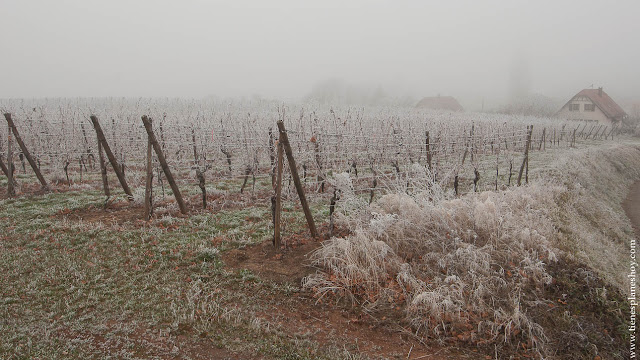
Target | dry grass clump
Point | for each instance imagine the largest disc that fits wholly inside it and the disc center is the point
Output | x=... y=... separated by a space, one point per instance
x=458 y=266
x=475 y=269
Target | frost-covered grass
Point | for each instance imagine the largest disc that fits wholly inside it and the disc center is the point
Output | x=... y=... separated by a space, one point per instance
x=478 y=268
x=80 y=289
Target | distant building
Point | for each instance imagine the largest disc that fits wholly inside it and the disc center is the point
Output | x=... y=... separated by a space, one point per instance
x=593 y=105
x=440 y=103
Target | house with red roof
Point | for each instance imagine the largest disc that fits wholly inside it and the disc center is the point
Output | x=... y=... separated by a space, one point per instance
x=593 y=105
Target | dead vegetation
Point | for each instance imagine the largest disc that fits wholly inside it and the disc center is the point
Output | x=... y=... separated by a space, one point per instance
x=510 y=271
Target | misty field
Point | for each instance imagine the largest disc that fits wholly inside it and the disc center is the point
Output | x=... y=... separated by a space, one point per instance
x=439 y=235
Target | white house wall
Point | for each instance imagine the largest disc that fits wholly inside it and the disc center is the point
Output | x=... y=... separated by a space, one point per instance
x=581 y=115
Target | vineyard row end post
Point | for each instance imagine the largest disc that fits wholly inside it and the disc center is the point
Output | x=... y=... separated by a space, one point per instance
x=112 y=159
x=525 y=161
x=163 y=163
x=11 y=191
x=25 y=151
x=103 y=173
x=296 y=179
x=148 y=183
x=278 y=199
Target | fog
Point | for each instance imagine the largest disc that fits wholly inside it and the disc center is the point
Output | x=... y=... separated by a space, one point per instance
x=478 y=51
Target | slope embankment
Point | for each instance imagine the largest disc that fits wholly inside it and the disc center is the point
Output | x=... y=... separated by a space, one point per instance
x=631 y=206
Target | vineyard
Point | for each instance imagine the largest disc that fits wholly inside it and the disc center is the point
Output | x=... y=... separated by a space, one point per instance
x=233 y=146
x=424 y=219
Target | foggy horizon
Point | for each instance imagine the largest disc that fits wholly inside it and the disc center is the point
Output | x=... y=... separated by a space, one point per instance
x=488 y=51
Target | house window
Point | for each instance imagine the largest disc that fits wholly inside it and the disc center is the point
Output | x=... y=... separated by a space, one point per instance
x=574 y=107
x=589 y=107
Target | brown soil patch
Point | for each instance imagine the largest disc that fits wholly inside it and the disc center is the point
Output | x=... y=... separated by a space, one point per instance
x=355 y=330
x=289 y=264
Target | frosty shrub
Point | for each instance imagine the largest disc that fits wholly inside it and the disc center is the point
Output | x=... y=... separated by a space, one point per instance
x=459 y=267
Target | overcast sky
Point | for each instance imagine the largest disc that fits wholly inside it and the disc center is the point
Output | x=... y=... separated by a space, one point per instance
x=281 y=48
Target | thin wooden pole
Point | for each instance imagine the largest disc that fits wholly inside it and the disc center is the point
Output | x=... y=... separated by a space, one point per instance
x=148 y=184
x=428 y=149
x=525 y=162
x=278 y=206
x=296 y=179
x=25 y=151
x=11 y=191
x=112 y=159
x=163 y=163
x=103 y=172
x=5 y=171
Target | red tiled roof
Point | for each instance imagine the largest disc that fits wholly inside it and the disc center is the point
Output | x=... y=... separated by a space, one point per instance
x=603 y=102
x=440 y=102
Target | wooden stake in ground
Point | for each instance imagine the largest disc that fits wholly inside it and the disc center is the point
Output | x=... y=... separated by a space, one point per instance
x=103 y=172
x=11 y=191
x=163 y=163
x=5 y=171
x=112 y=159
x=148 y=186
x=25 y=151
x=203 y=188
x=525 y=162
x=428 y=149
x=296 y=179
x=278 y=200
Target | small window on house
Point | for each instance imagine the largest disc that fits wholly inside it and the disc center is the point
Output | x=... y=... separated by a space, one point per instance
x=589 y=107
x=574 y=107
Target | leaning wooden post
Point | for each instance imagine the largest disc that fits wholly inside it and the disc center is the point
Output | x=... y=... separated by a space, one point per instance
x=525 y=162
x=296 y=179
x=25 y=151
x=112 y=159
x=278 y=199
x=148 y=186
x=163 y=163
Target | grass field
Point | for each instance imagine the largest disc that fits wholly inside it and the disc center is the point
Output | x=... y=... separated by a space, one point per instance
x=81 y=281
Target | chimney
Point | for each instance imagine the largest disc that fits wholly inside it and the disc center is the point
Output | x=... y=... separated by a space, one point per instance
x=600 y=91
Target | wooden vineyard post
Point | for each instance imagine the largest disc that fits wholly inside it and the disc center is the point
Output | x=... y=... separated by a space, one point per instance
x=203 y=188
x=272 y=158
x=278 y=200
x=103 y=172
x=112 y=159
x=611 y=132
x=5 y=171
x=11 y=191
x=542 y=142
x=573 y=139
x=163 y=163
x=296 y=179
x=148 y=186
x=25 y=151
x=428 y=149
x=455 y=185
x=525 y=162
